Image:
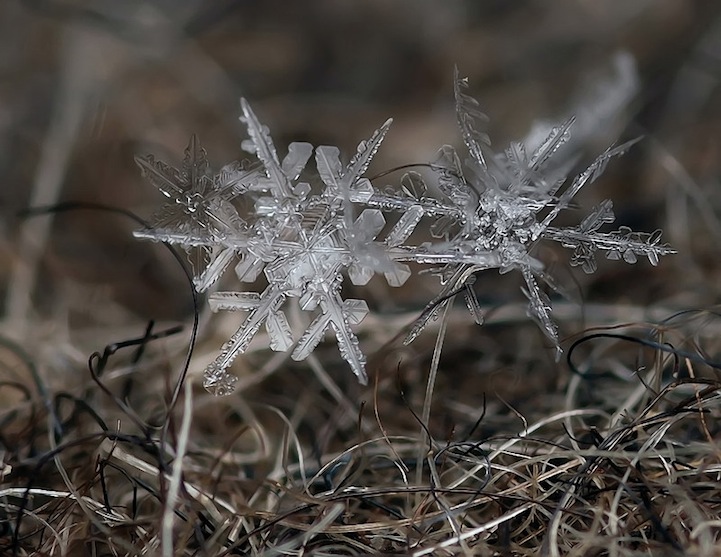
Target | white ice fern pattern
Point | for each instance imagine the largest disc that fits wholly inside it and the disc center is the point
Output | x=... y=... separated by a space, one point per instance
x=491 y=213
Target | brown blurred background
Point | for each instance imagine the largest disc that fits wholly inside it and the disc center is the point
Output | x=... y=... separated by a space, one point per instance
x=84 y=85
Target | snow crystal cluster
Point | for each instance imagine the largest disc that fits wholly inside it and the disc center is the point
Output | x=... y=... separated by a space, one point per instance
x=304 y=238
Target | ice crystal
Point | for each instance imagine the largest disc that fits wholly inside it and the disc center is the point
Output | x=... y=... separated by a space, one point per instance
x=490 y=213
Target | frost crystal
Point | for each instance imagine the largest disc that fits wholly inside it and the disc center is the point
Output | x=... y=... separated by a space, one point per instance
x=305 y=240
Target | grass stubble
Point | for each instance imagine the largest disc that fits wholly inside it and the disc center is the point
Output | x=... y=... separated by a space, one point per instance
x=613 y=451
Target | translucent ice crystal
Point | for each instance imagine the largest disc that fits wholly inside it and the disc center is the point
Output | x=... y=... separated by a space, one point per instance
x=304 y=241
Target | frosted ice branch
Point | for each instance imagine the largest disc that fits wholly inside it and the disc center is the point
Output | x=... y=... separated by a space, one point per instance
x=305 y=240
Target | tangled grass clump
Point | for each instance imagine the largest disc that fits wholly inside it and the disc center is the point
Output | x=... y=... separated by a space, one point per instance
x=626 y=462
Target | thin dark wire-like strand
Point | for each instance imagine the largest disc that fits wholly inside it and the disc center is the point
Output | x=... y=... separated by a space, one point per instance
x=79 y=206
x=39 y=384
x=643 y=342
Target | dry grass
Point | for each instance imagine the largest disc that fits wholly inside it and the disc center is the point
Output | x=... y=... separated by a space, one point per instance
x=472 y=441
x=618 y=455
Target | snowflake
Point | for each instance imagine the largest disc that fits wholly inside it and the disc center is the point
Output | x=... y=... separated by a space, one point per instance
x=200 y=215
x=304 y=244
x=495 y=213
x=305 y=240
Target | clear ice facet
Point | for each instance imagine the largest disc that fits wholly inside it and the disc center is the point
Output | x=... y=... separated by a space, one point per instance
x=305 y=238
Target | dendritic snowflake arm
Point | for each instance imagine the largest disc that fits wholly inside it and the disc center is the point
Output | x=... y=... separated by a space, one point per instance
x=468 y=114
x=401 y=202
x=587 y=177
x=405 y=226
x=199 y=215
x=586 y=239
x=454 y=278
x=623 y=244
x=176 y=184
x=539 y=307
x=364 y=154
x=198 y=210
x=188 y=192
x=279 y=176
x=532 y=176
x=429 y=313
x=263 y=308
x=472 y=303
x=347 y=185
x=339 y=315
x=219 y=260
